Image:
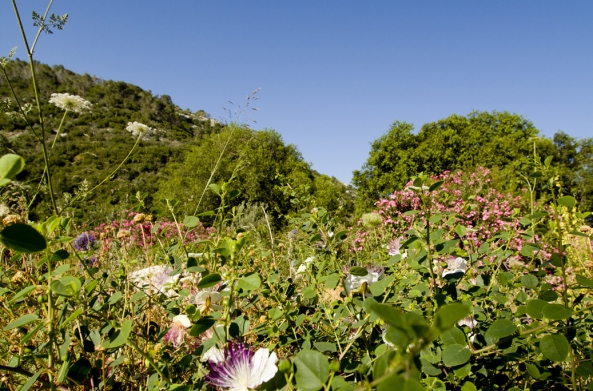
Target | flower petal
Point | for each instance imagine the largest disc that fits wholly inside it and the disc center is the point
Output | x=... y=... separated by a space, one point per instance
x=263 y=367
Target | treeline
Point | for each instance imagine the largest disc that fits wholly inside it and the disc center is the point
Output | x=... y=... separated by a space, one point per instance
x=507 y=143
x=176 y=161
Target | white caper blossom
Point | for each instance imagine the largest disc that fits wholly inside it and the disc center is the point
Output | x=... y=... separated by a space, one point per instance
x=69 y=102
x=136 y=128
x=454 y=266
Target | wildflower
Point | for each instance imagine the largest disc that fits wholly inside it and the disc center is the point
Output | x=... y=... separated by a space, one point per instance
x=394 y=248
x=177 y=332
x=455 y=266
x=84 y=242
x=207 y=299
x=70 y=102
x=136 y=128
x=155 y=277
x=123 y=233
x=237 y=368
x=352 y=282
x=303 y=266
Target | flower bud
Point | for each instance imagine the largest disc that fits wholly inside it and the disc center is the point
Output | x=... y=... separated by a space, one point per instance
x=285 y=366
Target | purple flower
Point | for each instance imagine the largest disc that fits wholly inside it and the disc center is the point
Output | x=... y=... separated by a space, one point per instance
x=84 y=242
x=237 y=368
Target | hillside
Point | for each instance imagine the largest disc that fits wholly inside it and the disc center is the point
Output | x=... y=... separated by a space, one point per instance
x=92 y=144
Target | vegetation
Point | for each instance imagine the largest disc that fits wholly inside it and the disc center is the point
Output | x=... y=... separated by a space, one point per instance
x=252 y=274
x=504 y=142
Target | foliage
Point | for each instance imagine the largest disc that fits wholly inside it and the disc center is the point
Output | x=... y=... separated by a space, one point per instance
x=257 y=164
x=499 y=140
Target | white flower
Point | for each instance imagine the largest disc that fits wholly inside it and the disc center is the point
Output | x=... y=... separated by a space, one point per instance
x=207 y=299
x=70 y=102
x=394 y=248
x=303 y=266
x=352 y=282
x=457 y=265
x=239 y=369
x=156 y=278
x=177 y=332
x=136 y=128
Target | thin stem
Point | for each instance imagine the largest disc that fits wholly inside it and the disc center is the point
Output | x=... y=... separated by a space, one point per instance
x=59 y=128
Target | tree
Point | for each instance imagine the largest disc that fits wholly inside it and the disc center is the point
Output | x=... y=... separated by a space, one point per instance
x=495 y=140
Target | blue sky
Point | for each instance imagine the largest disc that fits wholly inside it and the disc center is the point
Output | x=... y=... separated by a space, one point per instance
x=335 y=74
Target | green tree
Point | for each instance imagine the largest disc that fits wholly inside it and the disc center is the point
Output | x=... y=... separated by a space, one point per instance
x=500 y=140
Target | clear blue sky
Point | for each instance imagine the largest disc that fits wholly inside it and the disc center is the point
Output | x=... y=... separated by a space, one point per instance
x=335 y=74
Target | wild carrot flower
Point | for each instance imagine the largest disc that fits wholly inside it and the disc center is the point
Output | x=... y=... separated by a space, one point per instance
x=177 y=332
x=84 y=242
x=69 y=102
x=237 y=368
x=136 y=128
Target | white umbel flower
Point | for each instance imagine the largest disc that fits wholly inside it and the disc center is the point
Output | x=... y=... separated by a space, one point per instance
x=69 y=102
x=136 y=128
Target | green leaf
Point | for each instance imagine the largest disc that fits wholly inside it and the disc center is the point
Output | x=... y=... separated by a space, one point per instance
x=209 y=280
x=22 y=238
x=325 y=347
x=115 y=298
x=11 y=165
x=501 y=328
x=312 y=370
x=30 y=381
x=556 y=311
x=534 y=308
x=468 y=386
x=72 y=316
x=191 y=221
x=403 y=384
x=358 y=271
x=250 y=282
x=555 y=347
x=60 y=255
x=23 y=320
x=23 y=292
x=529 y=281
x=448 y=315
x=202 y=325
x=63 y=371
x=584 y=281
x=120 y=337
x=567 y=201
x=456 y=355
x=389 y=314
x=453 y=336
x=66 y=286
x=435 y=185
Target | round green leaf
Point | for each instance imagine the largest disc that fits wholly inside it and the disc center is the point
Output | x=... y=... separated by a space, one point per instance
x=10 y=165
x=23 y=238
x=191 y=221
x=555 y=347
x=453 y=336
x=312 y=370
x=556 y=311
x=456 y=355
x=66 y=286
x=209 y=280
x=501 y=328
x=250 y=282
x=120 y=337
x=529 y=281
x=534 y=308
x=448 y=315
x=567 y=201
